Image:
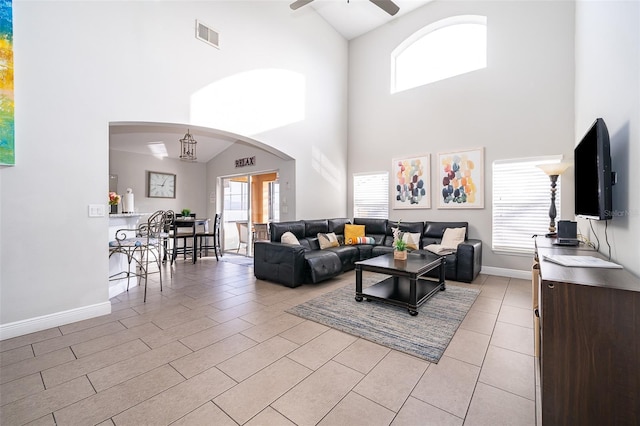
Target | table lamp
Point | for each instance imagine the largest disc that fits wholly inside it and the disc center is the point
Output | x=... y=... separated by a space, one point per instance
x=553 y=171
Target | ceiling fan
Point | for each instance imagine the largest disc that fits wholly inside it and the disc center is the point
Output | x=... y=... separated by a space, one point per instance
x=387 y=5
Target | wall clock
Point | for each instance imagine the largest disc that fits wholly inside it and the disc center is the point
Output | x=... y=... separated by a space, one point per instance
x=161 y=185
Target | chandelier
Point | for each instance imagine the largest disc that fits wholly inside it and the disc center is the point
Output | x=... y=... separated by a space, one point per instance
x=188 y=148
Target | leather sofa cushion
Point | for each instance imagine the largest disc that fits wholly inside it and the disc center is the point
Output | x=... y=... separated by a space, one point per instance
x=435 y=230
x=314 y=227
x=375 y=228
x=278 y=228
x=323 y=264
x=337 y=225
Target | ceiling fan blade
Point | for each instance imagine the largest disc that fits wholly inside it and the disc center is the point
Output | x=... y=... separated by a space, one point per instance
x=299 y=3
x=387 y=5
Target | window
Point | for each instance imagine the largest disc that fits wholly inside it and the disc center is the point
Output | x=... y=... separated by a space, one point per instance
x=521 y=201
x=371 y=195
x=444 y=49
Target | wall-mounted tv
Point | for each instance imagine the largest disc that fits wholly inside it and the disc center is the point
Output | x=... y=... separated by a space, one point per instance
x=592 y=165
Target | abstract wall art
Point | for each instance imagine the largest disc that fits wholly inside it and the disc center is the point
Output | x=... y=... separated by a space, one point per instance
x=410 y=182
x=7 y=138
x=461 y=175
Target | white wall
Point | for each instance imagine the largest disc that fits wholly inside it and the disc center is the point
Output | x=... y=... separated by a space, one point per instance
x=520 y=105
x=191 y=189
x=80 y=66
x=608 y=86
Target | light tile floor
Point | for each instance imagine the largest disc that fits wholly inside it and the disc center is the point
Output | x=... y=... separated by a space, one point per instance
x=216 y=347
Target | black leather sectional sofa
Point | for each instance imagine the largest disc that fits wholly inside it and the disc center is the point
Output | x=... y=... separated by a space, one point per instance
x=294 y=265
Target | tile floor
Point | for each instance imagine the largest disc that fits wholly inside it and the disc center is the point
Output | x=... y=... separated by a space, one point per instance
x=217 y=348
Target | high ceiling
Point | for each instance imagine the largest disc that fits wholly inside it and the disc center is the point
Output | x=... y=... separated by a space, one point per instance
x=351 y=18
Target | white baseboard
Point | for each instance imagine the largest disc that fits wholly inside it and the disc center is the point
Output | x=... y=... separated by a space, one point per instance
x=504 y=272
x=44 y=322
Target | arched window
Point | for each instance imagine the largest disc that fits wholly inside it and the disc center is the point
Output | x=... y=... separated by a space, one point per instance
x=444 y=49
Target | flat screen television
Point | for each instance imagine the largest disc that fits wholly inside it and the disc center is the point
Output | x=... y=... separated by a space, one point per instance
x=592 y=166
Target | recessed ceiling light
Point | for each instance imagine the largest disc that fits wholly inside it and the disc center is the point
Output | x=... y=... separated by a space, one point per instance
x=158 y=149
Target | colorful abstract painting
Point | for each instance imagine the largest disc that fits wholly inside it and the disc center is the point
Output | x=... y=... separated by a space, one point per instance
x=411 y=182
x=7 y=134
x=461 y=176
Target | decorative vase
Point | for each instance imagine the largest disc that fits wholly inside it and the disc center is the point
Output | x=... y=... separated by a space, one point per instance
x=400 y=255
x=114 y=208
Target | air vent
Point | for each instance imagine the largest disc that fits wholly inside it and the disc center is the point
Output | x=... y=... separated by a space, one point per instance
x=206 y=34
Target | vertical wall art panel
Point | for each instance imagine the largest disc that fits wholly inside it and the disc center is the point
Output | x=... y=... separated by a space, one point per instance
x=410 y=179
x=461 y=175
x=7 y=139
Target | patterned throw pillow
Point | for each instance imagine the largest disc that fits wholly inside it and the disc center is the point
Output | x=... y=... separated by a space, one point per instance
x=412 y=240
x=289 y=238
x=364 y=240
x=327 y=240
x=351 y=232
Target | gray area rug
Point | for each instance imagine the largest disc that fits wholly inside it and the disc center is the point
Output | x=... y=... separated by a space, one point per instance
x=425 y=336
x=237 y=259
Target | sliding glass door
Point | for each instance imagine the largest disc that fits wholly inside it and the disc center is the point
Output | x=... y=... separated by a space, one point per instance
x=250 y=202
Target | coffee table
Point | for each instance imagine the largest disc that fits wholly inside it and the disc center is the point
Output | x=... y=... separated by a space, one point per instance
x=405 y=287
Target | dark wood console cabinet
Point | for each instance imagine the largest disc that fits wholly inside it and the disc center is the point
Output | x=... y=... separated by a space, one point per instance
x=589 y=343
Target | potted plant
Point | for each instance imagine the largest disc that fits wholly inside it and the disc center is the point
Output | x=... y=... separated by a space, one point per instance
x=186 y=212
x=399 y=245
x=114 y=200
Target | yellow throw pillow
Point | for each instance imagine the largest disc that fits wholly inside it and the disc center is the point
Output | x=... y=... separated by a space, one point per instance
x=412 y=240
x=327 y=240
x=352 y=233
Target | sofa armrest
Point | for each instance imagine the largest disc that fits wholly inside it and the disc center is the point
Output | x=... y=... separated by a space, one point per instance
x=468 y=260
x=281 y=263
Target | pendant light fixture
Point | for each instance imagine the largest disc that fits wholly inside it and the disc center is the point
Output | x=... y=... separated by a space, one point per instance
x=188 y=148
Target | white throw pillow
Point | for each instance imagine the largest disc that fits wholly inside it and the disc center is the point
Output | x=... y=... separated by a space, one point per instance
x=289 y=238
x=412 y=240
x=452 y=237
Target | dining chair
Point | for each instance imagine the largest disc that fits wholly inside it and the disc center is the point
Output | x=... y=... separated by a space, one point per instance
x=141 y=246
x=243 y=234
x=183 y=231
x=212 y=234
x=261 y=231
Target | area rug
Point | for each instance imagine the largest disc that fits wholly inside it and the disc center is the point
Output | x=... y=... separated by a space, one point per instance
x=237 y=259
x=425 y=336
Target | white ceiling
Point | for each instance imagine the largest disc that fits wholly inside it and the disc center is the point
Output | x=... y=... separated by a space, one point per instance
x=351 y=18
x=136 y=137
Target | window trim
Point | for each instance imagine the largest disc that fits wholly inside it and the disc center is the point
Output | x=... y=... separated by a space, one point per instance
x=424 y=31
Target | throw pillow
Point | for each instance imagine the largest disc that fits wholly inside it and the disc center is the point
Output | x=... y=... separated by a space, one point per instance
x=452 y=237
x=289 y=238
x=351 y=232
x=327 y=240
x=364 y=240
x=412 y=240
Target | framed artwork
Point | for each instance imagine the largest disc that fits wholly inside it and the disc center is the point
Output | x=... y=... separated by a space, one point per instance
x=410 y=181
x=161 y=185
x=461 y=176
x=7 y=118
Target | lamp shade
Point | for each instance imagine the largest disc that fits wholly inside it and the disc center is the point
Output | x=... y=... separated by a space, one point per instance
x=554 y=169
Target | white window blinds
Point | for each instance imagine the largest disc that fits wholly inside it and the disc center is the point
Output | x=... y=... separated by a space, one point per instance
x=371 y=195
x=521 y=201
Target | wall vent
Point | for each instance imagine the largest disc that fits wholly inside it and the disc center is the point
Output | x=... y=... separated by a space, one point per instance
x=207 y=34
